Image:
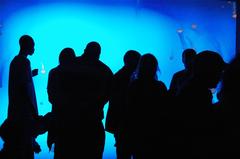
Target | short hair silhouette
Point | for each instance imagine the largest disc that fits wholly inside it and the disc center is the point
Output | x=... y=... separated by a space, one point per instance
x=26 y=42
x=148 y=66
x=187 y=57
x=207 y=61
x=131 y=58
x=93 y=50
x=208 y=66
x=66 y=55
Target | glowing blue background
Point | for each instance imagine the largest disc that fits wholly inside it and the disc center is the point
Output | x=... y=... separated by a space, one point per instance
x=117 y=28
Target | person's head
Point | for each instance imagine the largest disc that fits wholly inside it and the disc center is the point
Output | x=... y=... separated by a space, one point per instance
x=92 y=50
x=147 y=67
x=26 y=43
x=131 y=59
x=188 y=56
x=208 y=67
x=66 y=56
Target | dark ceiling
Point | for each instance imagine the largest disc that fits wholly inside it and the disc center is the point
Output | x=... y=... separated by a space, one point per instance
x=122 y=1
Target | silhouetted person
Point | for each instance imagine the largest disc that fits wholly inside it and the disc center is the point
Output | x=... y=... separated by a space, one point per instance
x=144 y=129
x=19 y=130
x=66 y=57
x=198 y=121
x=181 y=77
x=229 y=102
x=117 y=103
x=85 y=86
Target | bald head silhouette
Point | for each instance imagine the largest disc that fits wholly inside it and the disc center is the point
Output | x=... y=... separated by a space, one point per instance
x=92 y=50
x=26 y=43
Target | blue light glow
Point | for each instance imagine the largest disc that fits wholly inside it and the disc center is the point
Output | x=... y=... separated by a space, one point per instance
x=117 y=29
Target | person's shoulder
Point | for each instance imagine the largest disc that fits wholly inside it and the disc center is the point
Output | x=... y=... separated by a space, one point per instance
x=161 y=84
x=121 y=72
x=179 y=73
x=20 y=60
x=54 y=70
x=14 y=60
x=105 y=67
x=103 y=64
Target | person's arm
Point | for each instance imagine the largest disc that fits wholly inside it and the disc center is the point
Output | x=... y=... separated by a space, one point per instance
x=34 y=72
x=25 y=82
x=173 y=85
x=50 y=87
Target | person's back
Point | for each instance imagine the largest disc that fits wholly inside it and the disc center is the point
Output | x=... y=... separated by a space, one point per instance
x=86 y=86
x=116 y=110
x=195 y=114
x=20 y=77
x=181 y=77
x=145 y=119
x=66 y=57
x=229 y=101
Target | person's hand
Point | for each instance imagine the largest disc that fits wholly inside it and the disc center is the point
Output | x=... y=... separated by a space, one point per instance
x=34 y=72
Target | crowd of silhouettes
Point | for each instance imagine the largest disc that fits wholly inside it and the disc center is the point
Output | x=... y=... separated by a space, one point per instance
x=148 y=120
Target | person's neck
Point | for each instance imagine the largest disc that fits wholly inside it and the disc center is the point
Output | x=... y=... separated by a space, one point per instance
x=22 y=53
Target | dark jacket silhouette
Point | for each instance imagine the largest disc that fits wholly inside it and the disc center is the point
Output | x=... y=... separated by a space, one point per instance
x=85 y=87
x=181 y=77
x=66 y=57
x=143 y=130
x=229 y=102
x=19 y=130
x=117 y=103
x=197 y=121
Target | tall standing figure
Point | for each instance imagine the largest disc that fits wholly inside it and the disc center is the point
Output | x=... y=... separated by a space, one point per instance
x=66 y=58
x=117 y=103
x=19 y=129
x=144 y=128
x=229 y=102
x=198 y=120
